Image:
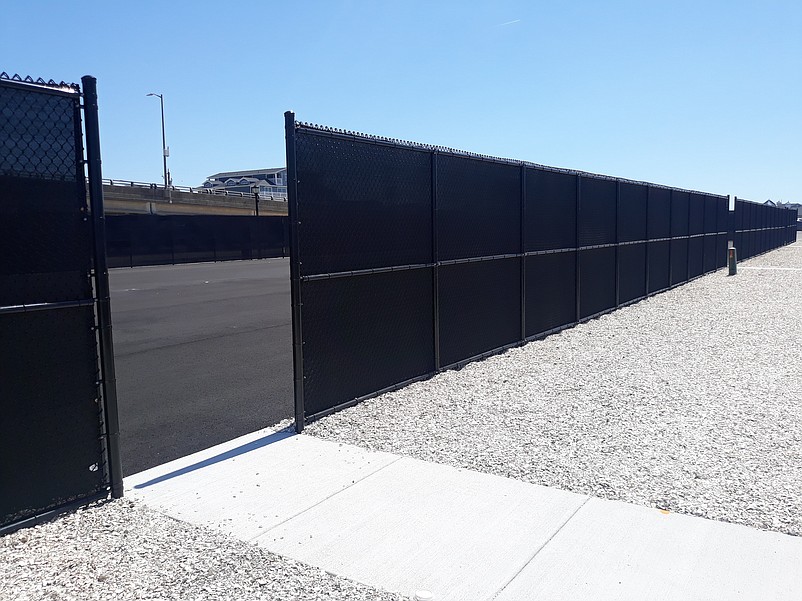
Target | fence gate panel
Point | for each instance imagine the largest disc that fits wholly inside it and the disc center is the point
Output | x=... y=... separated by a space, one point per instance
x=53 y=445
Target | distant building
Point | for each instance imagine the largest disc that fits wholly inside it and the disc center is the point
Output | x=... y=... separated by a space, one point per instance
x=791 y=205
x=270 y=182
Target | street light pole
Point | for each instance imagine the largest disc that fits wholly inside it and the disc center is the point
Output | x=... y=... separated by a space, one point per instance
x=255 y=190
x=165 y=152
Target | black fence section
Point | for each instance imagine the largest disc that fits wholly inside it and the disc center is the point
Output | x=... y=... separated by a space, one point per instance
x=56 y=446
x=408 y=259
x=759 y=228
x=136 y=240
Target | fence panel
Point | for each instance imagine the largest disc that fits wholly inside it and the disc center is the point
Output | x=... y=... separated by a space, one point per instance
x=596 y=281
x=59 y=411
x=386 y=190
x=632 y=272
x=724 y=223
x=711 y=233
x=137 y=240
x=480 y=308
x=633 y=202
x=598 y=214
x=550 y=209
x=696 y=231
x=598 y=223
x=478 y=208
x=759 y=228
x=680 y=229
x=407 y=259
x=192 y=239
x=550 y=292
x=632 y=213
x=365 y=333
x=50 y=425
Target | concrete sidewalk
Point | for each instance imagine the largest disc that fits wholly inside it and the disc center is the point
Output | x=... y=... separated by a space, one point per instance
x=404 y=525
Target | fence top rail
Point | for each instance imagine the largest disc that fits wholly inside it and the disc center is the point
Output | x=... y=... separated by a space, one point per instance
x=50 y=86
x=352 y=135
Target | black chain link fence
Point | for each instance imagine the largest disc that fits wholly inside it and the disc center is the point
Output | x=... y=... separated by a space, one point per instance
x=136 y=240
x=52 y=448
x=759 y=228
x=410 y=259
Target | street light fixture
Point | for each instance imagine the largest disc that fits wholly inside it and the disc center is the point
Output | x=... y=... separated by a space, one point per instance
x=165 y=150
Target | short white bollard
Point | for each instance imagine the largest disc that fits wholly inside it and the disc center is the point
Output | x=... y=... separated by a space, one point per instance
x=423 y=596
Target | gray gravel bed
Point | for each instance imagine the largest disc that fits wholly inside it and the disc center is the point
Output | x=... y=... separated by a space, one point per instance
x=689 y=401
x=121 y=550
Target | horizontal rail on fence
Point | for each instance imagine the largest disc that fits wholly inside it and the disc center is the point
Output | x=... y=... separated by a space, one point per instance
x=47 y=306
x=358 y=272
x=482 y=259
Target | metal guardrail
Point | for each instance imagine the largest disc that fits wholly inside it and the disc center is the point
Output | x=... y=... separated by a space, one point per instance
x=152 y=186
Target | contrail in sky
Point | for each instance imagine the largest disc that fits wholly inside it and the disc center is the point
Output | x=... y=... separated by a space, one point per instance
x=508 y=23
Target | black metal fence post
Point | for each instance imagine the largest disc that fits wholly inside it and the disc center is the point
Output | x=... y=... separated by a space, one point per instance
x=435 y=267
x=617 y=243
x=295 y=272
x=670 y=239
x=688 y=242
x=578 y=243
x=648 y=238
x=171 y=225
x=523 y=252
x=109 y=380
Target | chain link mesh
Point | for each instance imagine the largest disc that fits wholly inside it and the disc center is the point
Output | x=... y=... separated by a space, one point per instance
x=37 y=134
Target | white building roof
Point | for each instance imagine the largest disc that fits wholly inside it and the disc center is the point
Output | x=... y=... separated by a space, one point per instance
x=238 y=174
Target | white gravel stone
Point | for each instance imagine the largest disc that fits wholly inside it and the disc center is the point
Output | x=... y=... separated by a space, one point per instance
x=689 y=401
x=121 y=550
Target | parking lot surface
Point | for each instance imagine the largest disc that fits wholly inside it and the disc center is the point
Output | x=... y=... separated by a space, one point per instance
x=203 y=355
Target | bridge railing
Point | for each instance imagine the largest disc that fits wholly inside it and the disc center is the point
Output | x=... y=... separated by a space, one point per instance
x=191 y=190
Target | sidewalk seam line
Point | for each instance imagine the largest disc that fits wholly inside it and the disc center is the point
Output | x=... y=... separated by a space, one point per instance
x=540 y=548
x=334 y=494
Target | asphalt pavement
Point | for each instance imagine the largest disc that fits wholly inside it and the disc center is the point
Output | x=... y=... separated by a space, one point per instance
x=203 y=354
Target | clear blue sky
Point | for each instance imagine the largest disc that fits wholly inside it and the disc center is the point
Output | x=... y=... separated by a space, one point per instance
x=702 y=94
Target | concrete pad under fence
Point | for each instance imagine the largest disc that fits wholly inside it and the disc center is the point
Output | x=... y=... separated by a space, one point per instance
x=613 y=550
x=249 y=485
x=417 y=525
